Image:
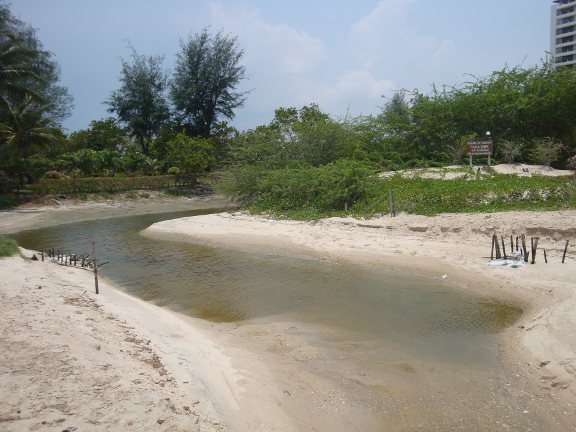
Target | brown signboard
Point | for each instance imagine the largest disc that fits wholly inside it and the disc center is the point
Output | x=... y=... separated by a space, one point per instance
x=479 y=147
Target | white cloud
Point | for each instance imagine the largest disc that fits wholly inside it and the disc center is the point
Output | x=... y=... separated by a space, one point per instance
x=446 y=51
x=385 y=36
x=275 y=48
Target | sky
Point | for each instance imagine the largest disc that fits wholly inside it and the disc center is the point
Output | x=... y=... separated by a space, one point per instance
x=345 y=56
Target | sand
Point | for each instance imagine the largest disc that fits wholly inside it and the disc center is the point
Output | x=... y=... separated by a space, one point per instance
x=70 y=358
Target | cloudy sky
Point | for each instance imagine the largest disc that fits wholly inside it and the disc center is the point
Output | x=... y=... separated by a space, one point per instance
x=341 y=54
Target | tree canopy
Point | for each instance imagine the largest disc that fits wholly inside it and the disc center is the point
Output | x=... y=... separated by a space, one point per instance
x=207 y=73
x=140 y=103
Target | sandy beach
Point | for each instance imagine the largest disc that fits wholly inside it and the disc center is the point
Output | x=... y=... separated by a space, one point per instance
x=74 y=359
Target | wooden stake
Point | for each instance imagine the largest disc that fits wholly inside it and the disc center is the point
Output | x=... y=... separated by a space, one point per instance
x=42 y=253
x=95 y=266
x=524 y=248
x=545 y=259
x=516 y=243
x=565 y=249
x=503 y=246
x=511 y=244
x=492 y=250
x=534 y=241
x=392 y=204
x=498 y=254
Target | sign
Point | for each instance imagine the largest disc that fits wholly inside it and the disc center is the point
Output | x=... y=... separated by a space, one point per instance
x=479 y=147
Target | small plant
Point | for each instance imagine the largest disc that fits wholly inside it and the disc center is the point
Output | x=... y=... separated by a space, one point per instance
x=546 y=150
x=144 y=195
x=175 y=192
x=131 y=194
x=8 y=247
x=512 y=149
x=105 y=195
x=173 y=171
x=53 y=175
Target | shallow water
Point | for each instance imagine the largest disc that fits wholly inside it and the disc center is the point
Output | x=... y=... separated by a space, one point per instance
x=405 y=331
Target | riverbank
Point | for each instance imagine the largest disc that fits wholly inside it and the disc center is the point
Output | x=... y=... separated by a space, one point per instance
x=58 y=211
x=538 y=353
x=244 y=394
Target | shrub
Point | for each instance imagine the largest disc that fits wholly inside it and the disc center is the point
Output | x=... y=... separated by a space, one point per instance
x=55 y=175
x=173 y=171
x=8 y=247
x=6 y=201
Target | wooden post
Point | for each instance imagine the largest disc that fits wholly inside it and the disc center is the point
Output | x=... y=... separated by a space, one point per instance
x=498 y=254
x=516 y=243
x=95 y=266
x=565 y=249
x=392 y=204
x=42 y=253
x=503 y=246
x=534 y=241
x=524 y=248
x=492 y=250
x=545 y=259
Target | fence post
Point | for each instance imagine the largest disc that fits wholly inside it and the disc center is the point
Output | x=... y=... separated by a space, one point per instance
x=95 y=266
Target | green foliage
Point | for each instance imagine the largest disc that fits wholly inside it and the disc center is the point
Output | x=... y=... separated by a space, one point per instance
x=173 y=171
x=104 y=184
x=546 y=150
x=140 y=103
x=176 y=192
x=194 y=155
x=6 y=201
x=102 y=134
x=8 y=247
x=511 y=149
x=206 y=75
x=52 y=175
x=324 y=188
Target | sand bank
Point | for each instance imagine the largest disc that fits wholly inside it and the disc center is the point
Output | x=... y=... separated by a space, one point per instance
x=538 y=353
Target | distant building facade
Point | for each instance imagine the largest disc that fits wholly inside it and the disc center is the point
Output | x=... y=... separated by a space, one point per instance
x=563 y=33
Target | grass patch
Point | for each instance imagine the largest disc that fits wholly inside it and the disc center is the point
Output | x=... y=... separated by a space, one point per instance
x=176 y=192
x=105 y=195
x=8 y=247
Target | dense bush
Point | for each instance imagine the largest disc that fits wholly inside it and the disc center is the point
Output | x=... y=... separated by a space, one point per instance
x=107 y=184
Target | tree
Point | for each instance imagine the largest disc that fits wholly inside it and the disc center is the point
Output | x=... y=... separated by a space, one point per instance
x=206 y=75
x=102 y=134
x=192 y=155
x=25 y=126
x=140 y=103
x=27 y=70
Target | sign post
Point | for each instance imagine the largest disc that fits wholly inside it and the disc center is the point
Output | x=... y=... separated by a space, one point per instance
x=479 y=147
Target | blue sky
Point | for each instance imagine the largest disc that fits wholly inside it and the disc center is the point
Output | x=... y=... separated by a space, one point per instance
x=343 y=55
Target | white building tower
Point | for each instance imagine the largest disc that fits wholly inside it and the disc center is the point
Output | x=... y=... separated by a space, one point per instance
x=563 y=33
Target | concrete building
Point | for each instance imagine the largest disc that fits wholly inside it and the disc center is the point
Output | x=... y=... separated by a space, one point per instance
x=563 y=33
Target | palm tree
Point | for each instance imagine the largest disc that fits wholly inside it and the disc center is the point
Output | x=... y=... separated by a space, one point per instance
x=24 y=126
x=17 y=57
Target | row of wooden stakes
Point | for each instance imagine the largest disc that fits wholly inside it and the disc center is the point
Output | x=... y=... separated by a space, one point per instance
x=523 y=250
x=70 y=259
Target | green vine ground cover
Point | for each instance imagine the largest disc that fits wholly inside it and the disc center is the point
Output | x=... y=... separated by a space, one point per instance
x=430 y=196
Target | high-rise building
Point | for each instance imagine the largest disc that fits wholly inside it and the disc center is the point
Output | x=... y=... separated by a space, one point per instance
x=563 y=33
